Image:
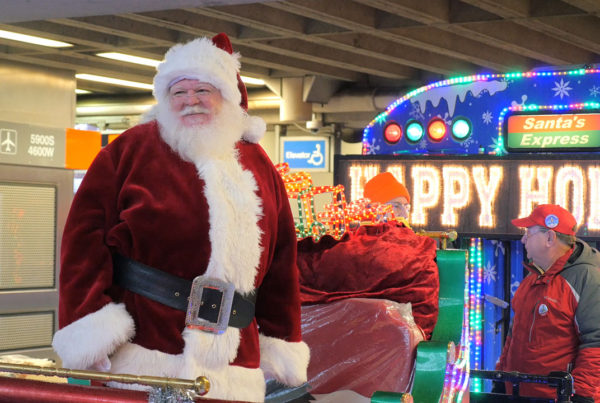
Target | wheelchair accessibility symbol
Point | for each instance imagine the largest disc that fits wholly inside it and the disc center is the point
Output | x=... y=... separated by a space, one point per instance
x=316 y=158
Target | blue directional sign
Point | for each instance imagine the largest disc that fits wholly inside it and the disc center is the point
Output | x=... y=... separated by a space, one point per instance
x=306 y=154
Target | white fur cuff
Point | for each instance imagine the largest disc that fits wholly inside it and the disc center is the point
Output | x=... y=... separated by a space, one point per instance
x=99 y=334
x=285 y=361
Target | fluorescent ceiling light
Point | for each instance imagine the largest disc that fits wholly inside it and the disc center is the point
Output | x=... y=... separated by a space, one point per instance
x=252 y=80
x=116 y=81
x=113 y=110
x=129 y=58
x=33 y=39
x=79 y=91
x=153 y=63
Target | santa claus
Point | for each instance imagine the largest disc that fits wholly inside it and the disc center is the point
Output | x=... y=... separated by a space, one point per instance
x=186 y=198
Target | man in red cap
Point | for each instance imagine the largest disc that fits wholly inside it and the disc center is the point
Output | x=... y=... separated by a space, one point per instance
x=556 y=324
x=178 y=255
x=385 y=189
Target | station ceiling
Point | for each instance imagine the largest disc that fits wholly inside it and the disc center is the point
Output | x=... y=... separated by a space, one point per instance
x=353 y=45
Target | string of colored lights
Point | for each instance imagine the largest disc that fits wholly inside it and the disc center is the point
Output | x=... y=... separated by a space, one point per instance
x=382 y=117
x=337 y=216
x=500 y=150
x=475 y=307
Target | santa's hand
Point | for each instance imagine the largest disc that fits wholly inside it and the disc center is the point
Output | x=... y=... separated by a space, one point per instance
x=102 y=365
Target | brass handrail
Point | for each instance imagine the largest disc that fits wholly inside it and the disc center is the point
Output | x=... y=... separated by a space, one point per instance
x=443 y=236
x=200 y=385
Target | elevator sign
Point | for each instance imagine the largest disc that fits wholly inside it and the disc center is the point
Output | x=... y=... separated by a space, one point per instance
x=305 y=153
x=553 y=132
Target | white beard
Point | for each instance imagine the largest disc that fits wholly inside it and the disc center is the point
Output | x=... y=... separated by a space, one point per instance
x=213 y=140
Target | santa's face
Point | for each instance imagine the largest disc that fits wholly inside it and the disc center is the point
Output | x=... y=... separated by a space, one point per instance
x=197 y=136
x=195 y=102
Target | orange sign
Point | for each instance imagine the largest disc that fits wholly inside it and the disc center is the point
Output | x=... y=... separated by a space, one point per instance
x=82 y=147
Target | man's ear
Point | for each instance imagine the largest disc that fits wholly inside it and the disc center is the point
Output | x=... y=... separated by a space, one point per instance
x=550 y=237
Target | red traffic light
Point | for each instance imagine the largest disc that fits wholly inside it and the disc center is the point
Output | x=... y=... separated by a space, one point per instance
x=392 y=133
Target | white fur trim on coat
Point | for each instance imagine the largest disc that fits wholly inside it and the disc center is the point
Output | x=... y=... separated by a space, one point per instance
x=214 y=351
x=285 y=361
x=254 y=129
x=230 y=382
x=201 y=60
x=234 y=210
x=93 y=337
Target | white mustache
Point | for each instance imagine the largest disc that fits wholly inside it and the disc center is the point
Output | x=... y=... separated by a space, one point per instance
x=193 y=109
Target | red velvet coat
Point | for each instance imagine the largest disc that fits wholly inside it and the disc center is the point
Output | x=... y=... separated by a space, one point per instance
x=227 y=218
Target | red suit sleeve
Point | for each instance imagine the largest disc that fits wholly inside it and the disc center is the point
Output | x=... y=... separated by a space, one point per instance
x=86 y=262
x=91 y=325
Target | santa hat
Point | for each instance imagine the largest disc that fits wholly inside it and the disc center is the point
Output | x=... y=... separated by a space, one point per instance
x=384 y=187
x=212 y=61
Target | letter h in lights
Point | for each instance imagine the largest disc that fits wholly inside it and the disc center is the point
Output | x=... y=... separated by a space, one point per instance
x=527 y=195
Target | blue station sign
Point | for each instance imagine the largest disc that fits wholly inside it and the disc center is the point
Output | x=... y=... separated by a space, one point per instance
x=305 y=153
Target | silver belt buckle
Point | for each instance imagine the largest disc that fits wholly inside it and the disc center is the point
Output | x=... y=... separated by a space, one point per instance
x=227 y=291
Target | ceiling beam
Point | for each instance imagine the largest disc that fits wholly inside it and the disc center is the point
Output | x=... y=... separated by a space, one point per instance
x=503 y=8
x=589 y=6
x=333 y=57
x=320 y=10
x=518 y=39
x=581 y=31
x=166 y=35
x=122 y=27
x=310 y=47
x=405 y=66
x=424 y=12
x=266 y=58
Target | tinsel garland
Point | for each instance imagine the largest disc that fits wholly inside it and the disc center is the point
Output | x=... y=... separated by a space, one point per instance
x=169 y=395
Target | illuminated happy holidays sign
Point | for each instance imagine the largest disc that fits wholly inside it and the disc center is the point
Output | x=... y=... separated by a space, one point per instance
x=481 y=194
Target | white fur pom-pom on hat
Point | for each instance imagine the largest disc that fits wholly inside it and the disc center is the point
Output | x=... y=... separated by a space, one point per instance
x=203 y=59
x=254 y=129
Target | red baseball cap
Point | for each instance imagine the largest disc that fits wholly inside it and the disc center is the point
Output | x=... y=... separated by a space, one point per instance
x=549 y=216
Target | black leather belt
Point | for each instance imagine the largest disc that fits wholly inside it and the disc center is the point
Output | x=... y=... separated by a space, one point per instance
x=174 y=292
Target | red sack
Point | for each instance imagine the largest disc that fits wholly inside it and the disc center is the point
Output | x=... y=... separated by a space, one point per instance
x=384 y=261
